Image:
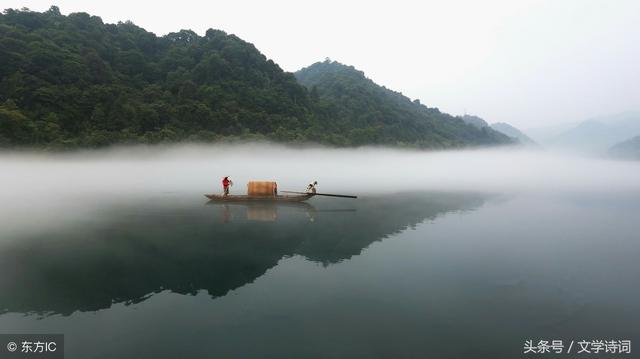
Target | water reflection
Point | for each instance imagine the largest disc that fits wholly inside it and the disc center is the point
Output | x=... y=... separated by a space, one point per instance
x=263 y=212
x=268 y=212
x=131 y=251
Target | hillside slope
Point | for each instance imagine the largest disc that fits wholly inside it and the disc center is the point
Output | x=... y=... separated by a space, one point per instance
x=74 y=81
x=513 y=132
x=474 y=120
x=369 y=112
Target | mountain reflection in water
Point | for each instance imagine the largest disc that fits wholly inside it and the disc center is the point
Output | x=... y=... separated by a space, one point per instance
x=131 y=251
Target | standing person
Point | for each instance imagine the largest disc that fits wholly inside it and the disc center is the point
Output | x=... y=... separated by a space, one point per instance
x=226 y=183
x=311 y=188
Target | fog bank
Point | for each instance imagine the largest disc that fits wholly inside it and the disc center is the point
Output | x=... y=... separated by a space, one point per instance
x=40 y=191
x=199 y=168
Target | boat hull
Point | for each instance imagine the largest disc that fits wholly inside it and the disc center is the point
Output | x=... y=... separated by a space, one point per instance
x=245 y=198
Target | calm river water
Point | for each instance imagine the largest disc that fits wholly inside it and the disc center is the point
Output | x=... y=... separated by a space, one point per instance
x=419 y=274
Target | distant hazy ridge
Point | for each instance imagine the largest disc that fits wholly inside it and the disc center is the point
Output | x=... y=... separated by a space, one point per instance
x=597 y=135
x=501 y=127
x=629 y=149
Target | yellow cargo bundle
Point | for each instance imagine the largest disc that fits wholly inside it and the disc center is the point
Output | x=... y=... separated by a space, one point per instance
x=262 y=188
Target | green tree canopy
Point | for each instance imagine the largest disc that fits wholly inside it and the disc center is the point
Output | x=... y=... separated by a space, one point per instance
x=74 y=81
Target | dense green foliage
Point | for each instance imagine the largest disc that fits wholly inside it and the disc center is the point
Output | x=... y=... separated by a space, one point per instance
x=74 y=81
x=367 y=112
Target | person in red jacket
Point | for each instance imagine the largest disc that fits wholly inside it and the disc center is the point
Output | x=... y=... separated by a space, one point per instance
x=226 y=182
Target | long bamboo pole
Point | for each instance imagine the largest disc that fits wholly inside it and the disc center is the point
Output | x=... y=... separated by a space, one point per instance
x=323 y=194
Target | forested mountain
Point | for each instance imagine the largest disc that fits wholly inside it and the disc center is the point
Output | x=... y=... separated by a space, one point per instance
x=74 y=81
x=475 y=121
x=366 y=111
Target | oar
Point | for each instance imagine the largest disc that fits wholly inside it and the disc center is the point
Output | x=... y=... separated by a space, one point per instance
x=323 y=194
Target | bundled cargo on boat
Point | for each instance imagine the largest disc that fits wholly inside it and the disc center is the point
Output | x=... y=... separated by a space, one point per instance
x=262 y=188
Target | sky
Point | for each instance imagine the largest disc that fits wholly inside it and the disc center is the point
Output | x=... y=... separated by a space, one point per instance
x=531 y=63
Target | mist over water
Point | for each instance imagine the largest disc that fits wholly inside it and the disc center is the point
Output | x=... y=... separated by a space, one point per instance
x=38 y=189
x=199 y=168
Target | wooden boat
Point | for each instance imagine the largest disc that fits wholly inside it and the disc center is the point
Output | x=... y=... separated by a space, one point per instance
x=246 y=198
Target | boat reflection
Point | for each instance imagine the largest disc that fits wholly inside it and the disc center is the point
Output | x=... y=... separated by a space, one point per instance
x=124 y=256
x=268 y=211
x=261 y=211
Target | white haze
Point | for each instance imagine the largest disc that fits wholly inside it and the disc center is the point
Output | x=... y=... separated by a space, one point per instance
x=43 y=190
x=199 y=168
